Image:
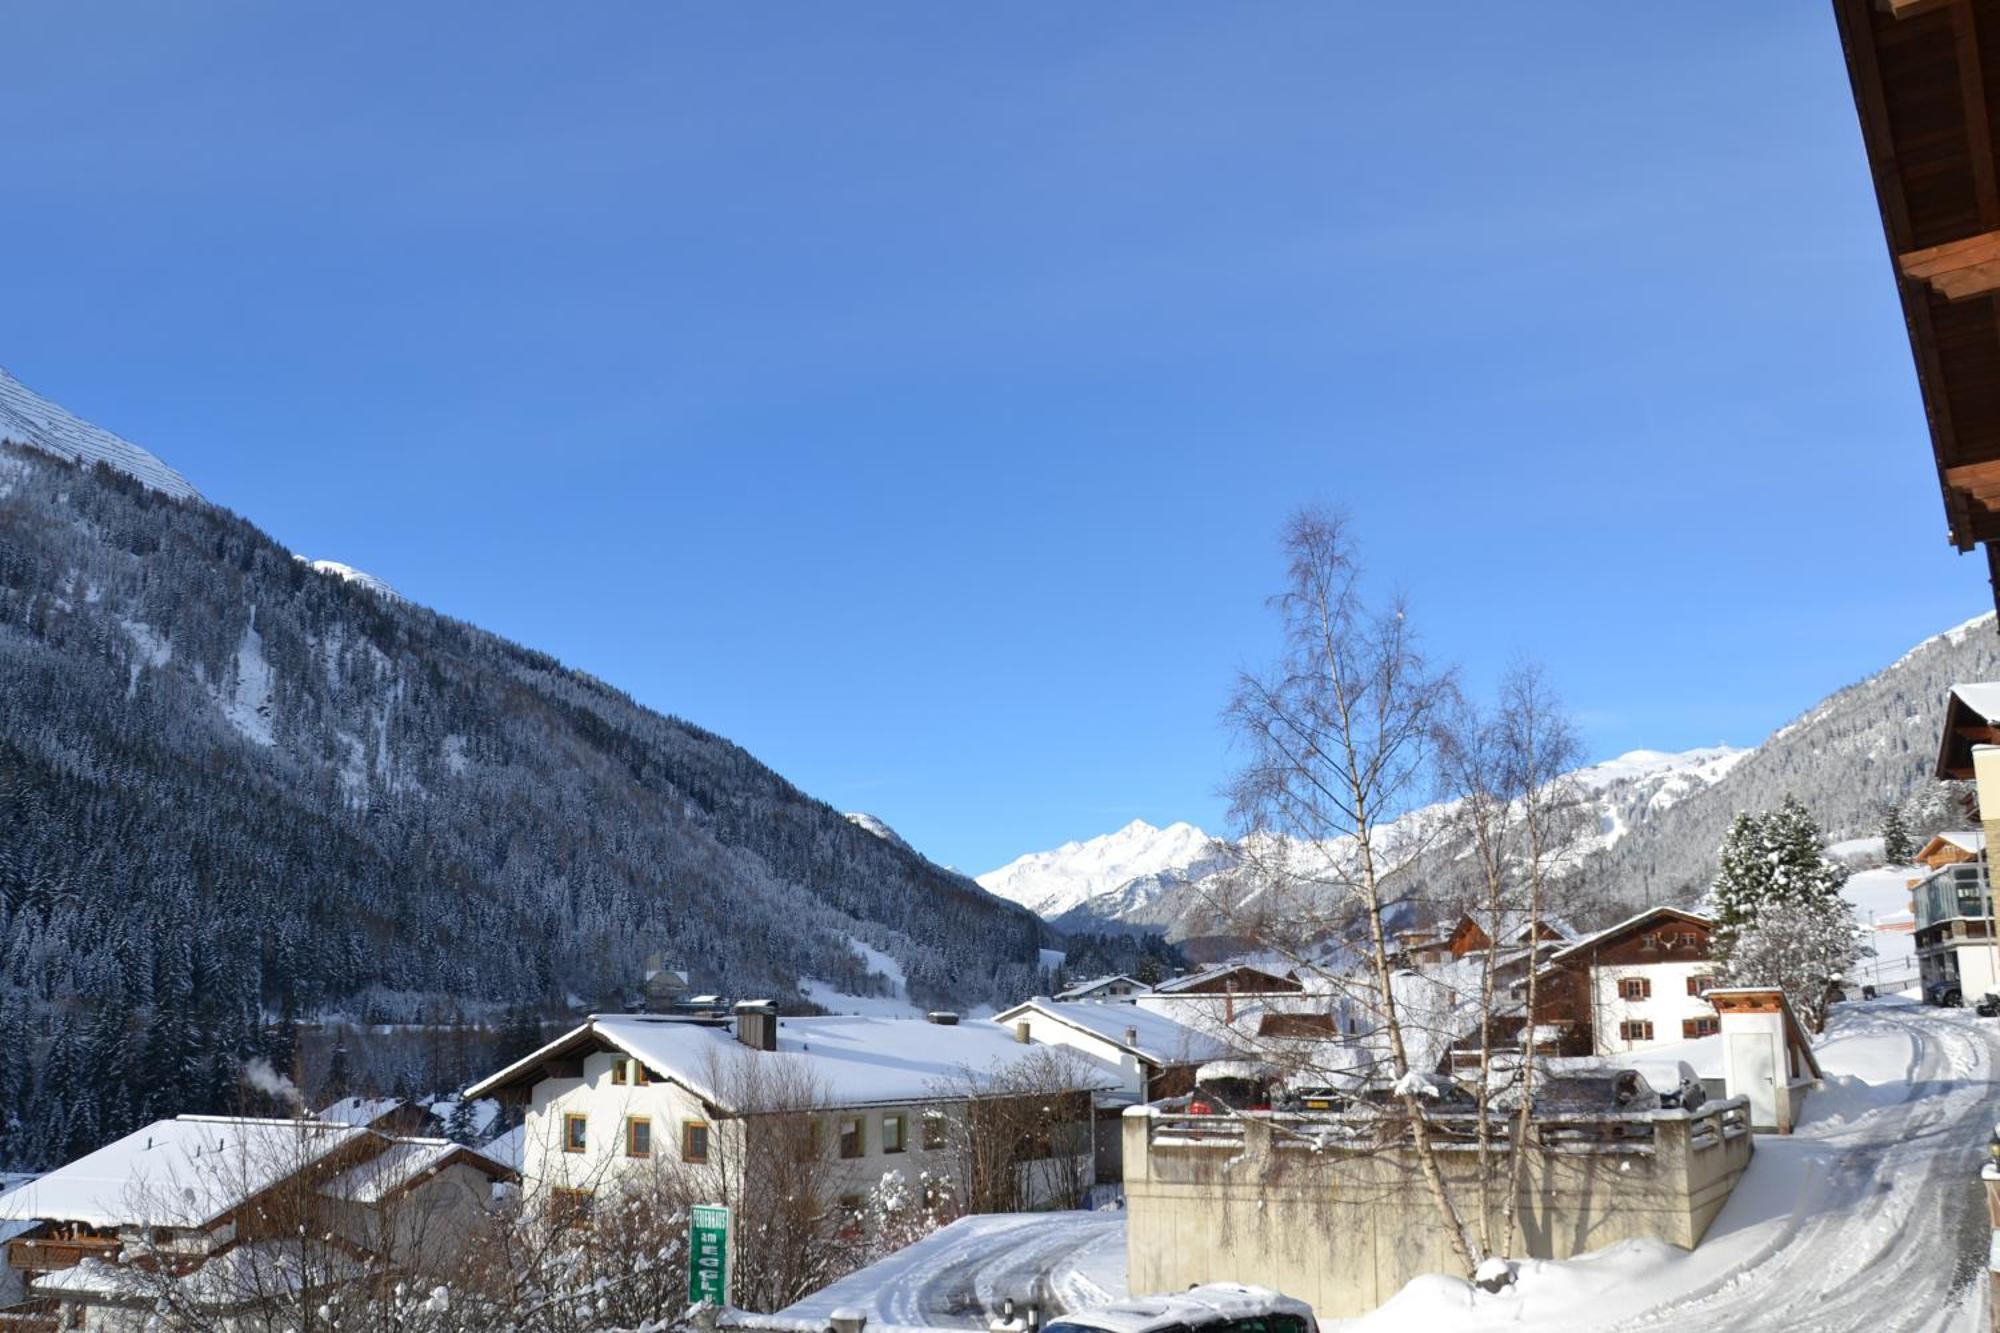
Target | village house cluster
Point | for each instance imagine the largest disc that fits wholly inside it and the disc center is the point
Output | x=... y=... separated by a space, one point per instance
x=1031 y=1108
x=1110 y=1089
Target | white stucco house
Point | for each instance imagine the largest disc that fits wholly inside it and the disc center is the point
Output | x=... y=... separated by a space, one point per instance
x=624 y=1095
x=1631 y=987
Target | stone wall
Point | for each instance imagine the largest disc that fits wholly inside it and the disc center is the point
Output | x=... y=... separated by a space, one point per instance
x=1271 y=1200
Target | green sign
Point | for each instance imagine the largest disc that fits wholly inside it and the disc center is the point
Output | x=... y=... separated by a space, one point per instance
x=708 y=1254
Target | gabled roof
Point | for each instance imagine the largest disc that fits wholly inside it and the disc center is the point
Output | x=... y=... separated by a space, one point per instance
x=1971 y=717
x=1795 y=1031
x=1638 y=921
x=1156 y=1038
x=846 y=1060
x=1180 y=984
x=361 y=1111
x=1514 y=926
x=405 y=1164
x=186 y=1172
x=1083 y=988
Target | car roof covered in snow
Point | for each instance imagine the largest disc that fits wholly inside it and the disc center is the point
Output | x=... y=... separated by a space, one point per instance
x=185 y=1172
x=1207 y=1304
x=849 y=1060
x=1152 y=1036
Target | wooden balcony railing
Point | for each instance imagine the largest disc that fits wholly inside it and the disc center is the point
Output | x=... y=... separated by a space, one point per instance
x=48 y=1255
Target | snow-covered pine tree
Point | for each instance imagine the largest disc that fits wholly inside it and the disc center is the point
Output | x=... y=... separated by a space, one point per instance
x=1779 y=857
x=458 y=1126
x=1738 y=887
x=1897 y=846
x=1801 y=948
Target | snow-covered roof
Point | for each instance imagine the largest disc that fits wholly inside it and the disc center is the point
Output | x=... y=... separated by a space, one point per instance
x=1632 y=922
x=404 y=1163
x=1965 y=841
x=1982 y=697
x=484 y=1113
x=1083 y=988
x=848 y=1060
x=1154 y=1037
x=1514 y=923
x=509 y=1149
x=1179 y=985
x=361 y=1111
x=185 y=1172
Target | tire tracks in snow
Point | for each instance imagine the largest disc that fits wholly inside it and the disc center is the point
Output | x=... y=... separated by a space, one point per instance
x=1888 y=1232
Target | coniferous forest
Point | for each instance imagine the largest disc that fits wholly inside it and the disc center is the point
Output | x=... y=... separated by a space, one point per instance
x=237 y=795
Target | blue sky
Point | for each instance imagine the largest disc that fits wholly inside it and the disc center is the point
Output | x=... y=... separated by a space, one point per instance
x=913 y=392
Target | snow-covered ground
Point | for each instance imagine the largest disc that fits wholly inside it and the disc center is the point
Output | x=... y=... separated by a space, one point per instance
x=955 y=1277
x=1881 y=901
x=1870 y=1218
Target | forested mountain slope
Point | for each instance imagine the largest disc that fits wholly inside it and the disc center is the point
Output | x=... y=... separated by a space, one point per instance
x=1859 y=749
x=234 y=787
x=1653 y=820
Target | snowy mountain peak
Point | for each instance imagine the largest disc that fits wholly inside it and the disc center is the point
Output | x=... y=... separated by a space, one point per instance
x=1707 y=763
x=1051 y=883
x=349 y=574
x=878 y=827
x=29 y=419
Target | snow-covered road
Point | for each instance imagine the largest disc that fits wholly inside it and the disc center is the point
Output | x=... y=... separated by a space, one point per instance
x=956 y=1277
x=1870 y=1218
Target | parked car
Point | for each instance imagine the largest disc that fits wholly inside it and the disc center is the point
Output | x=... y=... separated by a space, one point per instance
x=1223 y=1086
x=1674 y=1080
x=1945 y=993
x=1216 y=1307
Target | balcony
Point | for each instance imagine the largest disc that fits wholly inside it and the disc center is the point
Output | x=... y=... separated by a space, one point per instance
x=1955 y=893
x=50 y=1255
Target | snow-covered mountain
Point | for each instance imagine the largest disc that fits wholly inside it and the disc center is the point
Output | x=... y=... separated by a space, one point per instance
x=28 y=418
x=879 y=827
x=1054 y=882
x=349 y=574
x=231 y=787
x=1659 y=815
x=1148 y=877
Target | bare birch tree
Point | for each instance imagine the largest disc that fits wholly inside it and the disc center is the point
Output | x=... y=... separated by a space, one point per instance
x=1340 y=734
x=1541 y=753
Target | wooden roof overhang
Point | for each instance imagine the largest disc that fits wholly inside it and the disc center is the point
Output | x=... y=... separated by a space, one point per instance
x=1966 y=724
x=1926 y=79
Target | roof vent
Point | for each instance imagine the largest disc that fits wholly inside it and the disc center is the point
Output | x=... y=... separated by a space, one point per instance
x=944 y=1018
x=1131 y=1036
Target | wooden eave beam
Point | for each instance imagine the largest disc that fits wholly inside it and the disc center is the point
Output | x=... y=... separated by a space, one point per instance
x=1904 y=9
x=1980 y=481
x=1957 y=270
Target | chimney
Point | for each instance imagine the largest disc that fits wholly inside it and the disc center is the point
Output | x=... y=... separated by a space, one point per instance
x=944 y=1018
x=1132 y=1037
x=757 y=1024
x=1021 y=1033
